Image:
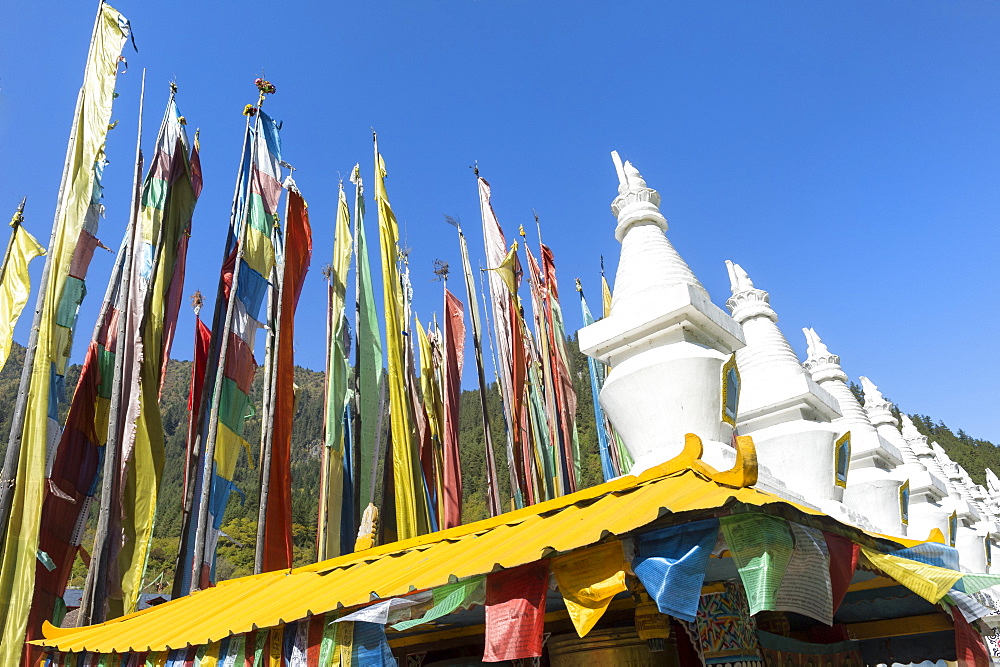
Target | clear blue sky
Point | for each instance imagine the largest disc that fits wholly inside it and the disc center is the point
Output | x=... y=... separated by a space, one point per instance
x=847 y=154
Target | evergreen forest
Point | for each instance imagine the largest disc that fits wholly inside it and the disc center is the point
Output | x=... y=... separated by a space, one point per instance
x=236 y=547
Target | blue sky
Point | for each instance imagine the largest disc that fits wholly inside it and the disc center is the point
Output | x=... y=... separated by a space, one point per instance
x=847 y=154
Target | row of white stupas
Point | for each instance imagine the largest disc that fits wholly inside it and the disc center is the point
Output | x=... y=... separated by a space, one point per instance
x=670 y=351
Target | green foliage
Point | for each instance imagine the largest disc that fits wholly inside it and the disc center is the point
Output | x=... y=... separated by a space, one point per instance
x=236 y=546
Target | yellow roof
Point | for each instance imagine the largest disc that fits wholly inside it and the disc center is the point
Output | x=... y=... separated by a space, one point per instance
x=615 y=508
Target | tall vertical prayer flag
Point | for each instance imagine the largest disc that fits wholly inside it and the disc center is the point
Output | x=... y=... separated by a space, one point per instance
x=427 y=410
x=73 y=241
x=492 y=491
x=515 y=612
x=565 y=391
x=298 y=253
x=502 y=304
x=159 y=244
x=412 y=517
x=368 y=361
x=232 y=366
x=169 y=195
x=15 y=283
x=330 y=540
x=454 y=352
x=596 y=383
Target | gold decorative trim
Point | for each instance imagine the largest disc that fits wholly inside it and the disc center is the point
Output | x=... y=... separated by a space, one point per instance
x=729 y=411
x=904 y=503
x=741 y=475
x=952 y=529
x=842 y=456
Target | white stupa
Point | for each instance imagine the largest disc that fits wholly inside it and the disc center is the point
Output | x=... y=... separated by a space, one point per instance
x=926 y=489
x=785 y=411
x=665 y=341
x=871 y=486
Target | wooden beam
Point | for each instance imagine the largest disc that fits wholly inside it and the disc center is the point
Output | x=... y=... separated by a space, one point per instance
x=900 y=627
x=871 y=584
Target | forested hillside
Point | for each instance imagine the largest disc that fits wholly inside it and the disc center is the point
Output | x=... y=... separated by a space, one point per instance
x=236 y=548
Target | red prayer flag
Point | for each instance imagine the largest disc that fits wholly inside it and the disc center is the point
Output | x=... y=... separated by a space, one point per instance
x=315 y=638
x=969 y=648
x=515 y=612
x=278 y=523
x=454 y=341
x=843 y=561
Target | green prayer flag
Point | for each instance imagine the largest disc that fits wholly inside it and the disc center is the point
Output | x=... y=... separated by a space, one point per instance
x=762 y=547
x=447 y=599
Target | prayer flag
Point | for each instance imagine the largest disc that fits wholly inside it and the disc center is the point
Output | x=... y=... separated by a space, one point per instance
x=969 y=648
x=16 y=283
x=805 y=587
x=931 y=553
x=515 y=612
x=370 y=647
x=671 y=565
x=330 y=541
x=928 y=581
x=503 y=305
x=588 y=579
x=298 y=253
x=159 y=257
x=368 y=362
x=74 y=239
x=447 y=599
x=843 y=562
x=761 y=546
x=596 y=383
x=412 y=516
x=380 y=612
x=974 y=582
x=454 y=352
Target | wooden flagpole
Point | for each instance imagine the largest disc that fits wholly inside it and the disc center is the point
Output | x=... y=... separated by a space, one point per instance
x=322 y=509
x=492 y=492
x=15 y=224
x=270 y=380
x=213 y=419
x=193 y=510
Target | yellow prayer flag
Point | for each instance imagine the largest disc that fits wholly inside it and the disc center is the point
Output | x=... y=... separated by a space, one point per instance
x=412 y=516
x=508 y=269
x=20 y=548
x=211 y=657
x=928 y=581
x=588 y=579
x=331 y=494
x=605 y=296
x=15 y=286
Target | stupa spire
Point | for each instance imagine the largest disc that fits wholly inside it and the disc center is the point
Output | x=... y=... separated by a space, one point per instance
x=666 y=341
x=825 y=369
x=766 y=345
x=649 y=261
x=879 y=410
